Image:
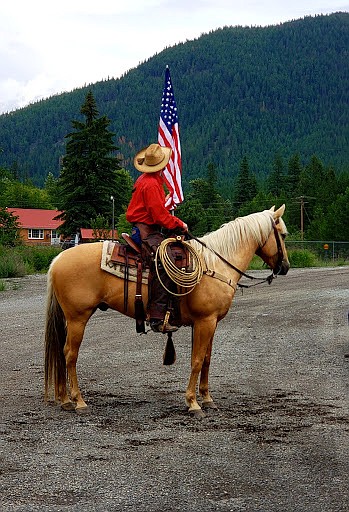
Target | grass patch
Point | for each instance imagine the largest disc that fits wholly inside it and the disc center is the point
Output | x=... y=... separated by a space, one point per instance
x=2 y=286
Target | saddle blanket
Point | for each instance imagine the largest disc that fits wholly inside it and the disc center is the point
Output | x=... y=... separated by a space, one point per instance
x=118 y=268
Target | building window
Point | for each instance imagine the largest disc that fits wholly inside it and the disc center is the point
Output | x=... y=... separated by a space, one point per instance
x=54 y=234
x=37 y=234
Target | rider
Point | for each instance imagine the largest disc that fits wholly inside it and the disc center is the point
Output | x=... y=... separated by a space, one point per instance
x=148 y=214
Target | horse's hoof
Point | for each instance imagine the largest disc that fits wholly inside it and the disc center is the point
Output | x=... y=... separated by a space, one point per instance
x=209 y=405
x=82 y=410
x=198 y=414
x=68 y=406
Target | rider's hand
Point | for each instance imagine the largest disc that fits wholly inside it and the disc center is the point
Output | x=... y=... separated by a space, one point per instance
x=185 y=227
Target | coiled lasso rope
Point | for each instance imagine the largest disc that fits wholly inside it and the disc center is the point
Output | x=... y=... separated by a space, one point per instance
x=181 y=278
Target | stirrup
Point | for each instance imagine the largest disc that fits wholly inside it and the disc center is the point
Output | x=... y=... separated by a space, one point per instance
x=160 y=326
x=166 y=327
x=163 y=325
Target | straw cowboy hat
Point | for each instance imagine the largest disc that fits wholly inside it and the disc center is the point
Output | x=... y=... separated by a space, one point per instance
x=153 y=158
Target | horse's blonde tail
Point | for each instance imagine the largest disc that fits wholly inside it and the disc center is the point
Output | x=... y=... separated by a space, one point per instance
x=55 y=336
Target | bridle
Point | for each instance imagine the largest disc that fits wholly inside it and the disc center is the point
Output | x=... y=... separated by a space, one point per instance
x=260 y=280
x=278 y=266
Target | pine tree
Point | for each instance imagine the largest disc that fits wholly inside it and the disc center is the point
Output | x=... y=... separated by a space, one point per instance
x=9 y=228
x=294 y=171
x=89 y=174
x=205 y=209
x=246 y=185
x=276 y=178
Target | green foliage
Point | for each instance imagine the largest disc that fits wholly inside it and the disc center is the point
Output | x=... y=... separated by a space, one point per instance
x=194 y=214
x=15 y=194
x=336 y=225
x=245 y=186
x=51 y=188
x=300 y=258
x=122 y=191
x=122 y=225
x=204 y=209
x=9 y=228
x=88 y=177
x=257 y=264
x=11 y=264
x=38 y=258
x=23 y=260
x=276 y=182
x=101 y=227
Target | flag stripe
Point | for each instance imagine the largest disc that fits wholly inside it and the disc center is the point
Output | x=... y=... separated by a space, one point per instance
x=168 y=135
x=172 y=173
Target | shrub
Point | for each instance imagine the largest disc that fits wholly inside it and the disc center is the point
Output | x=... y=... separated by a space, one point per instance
x=23 y=260
x=301 y=258
x=11 y=265
x=38 y=258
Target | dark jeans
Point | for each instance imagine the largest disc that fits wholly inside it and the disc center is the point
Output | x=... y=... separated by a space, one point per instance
x=158 y=297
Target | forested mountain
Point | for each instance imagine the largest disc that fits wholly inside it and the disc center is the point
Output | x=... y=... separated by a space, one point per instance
x=241 y=92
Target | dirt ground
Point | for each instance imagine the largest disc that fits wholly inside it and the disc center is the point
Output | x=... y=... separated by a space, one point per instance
x=278 y=443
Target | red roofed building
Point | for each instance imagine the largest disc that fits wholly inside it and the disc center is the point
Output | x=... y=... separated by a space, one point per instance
x=38 y=227
x=88 y=235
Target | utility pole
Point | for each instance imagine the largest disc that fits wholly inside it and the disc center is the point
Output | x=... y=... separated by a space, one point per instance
x=301 y=198
x=302 y=201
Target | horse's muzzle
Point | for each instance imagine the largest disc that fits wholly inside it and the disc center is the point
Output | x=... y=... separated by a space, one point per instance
x=284 y=267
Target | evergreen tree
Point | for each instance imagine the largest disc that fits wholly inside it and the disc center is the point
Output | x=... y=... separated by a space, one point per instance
x=123 y=191
x=9 y=228
x=205 y=209
x=293 y=175
x=89 y=174
x=50 y=186
x=337 y=227
x=246 y=185
x=261 y=201
x=276 y=179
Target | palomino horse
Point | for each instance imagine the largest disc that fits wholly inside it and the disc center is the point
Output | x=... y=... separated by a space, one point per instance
x=77 y=287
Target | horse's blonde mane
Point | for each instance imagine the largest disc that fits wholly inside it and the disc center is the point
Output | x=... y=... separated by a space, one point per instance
x=230 y=236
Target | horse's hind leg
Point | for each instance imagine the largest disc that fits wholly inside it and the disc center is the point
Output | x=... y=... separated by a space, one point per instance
x=75 y=333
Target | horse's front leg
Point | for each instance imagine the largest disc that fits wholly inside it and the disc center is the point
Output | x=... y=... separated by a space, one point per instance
x=203 y=332
x=207 y=401
x=75 y=333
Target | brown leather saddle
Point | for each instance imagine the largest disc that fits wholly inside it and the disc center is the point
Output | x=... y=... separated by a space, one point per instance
x=131 y=255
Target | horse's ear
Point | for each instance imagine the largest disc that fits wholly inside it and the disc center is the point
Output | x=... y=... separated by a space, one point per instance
x=272 y=209
x=279 y=213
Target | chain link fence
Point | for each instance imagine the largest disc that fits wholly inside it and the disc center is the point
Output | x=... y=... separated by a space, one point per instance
x=324 y=249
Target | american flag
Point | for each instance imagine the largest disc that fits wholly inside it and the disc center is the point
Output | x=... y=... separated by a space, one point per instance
x=168 y=136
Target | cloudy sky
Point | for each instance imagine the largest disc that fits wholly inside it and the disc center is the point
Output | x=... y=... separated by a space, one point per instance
x=49 y=46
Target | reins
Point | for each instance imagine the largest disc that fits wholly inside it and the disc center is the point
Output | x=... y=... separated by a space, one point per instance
x=260 y=280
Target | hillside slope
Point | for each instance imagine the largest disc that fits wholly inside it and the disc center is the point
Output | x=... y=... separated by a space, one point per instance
x=240 y=91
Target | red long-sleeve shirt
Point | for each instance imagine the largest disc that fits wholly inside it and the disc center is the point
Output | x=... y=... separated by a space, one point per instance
x=147 y=204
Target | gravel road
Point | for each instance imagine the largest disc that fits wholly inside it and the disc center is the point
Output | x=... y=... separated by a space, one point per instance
x=278 y=443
